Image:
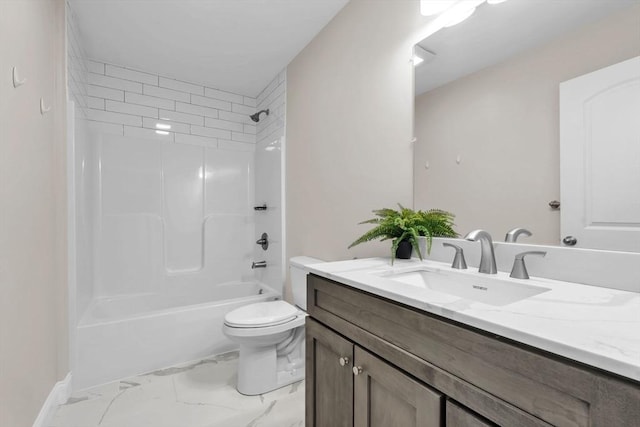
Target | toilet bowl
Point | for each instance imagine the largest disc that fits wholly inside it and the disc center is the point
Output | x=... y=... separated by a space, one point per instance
x=271 y=337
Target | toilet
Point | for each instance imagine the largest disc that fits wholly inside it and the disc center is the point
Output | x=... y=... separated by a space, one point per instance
x=271 y=336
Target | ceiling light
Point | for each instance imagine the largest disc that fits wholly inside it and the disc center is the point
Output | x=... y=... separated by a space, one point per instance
x=458 y=15
x=163 y=126
x=162 y=132
x=434 y=7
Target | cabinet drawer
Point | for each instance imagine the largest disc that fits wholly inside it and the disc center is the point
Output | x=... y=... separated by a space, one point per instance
x=554 y=390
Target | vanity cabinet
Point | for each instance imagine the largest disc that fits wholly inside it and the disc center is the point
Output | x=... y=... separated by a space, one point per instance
x=329 y=392
x=459 y=416
x=421 y=369
x=352 y=387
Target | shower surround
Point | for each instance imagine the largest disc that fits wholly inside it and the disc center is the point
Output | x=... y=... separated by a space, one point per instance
x=165 y=177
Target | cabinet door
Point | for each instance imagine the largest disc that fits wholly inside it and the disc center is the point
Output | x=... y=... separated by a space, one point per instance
x=329 y=379
x=459 y=416
x=386 y=397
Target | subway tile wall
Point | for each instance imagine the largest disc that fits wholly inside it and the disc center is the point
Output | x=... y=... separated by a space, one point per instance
x=77 y=91
x=125 y=247
x=270 y=137
x=76 y=65
x=129 y=102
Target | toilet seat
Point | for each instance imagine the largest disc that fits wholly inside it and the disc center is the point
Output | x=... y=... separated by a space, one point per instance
x=261 y=314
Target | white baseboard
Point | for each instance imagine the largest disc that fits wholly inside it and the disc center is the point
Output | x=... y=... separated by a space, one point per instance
x=60 y=393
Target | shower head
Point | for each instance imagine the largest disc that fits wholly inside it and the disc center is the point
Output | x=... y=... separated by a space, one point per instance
x=256 y=117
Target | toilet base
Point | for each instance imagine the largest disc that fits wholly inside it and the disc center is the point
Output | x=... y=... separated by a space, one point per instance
x=261 y=370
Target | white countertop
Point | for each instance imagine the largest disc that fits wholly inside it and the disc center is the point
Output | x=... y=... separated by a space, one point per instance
x=593 y=325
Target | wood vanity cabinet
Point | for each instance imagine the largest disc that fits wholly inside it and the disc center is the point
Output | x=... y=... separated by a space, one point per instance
x=351 y=387
x=459 y=416
x=416 y=369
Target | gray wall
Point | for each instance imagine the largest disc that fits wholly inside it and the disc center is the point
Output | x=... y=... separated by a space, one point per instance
x=33 y=213
x=349 y=127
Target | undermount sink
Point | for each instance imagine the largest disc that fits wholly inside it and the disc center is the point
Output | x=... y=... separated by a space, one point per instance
x=486 y=289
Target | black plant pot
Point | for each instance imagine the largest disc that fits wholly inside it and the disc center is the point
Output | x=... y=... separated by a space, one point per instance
x=404 y=250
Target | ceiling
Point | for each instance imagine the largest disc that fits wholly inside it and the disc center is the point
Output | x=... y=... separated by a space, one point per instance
x=496 y=32
x=234 y=45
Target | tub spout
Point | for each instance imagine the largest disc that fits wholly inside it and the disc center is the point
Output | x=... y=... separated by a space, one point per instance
x=259 y=264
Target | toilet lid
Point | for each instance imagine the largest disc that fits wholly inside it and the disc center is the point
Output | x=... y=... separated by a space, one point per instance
x=261 y=314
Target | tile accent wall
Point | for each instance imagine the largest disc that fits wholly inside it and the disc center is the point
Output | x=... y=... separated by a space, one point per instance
x=135 y=231
x=268 y=172
x=127 y=102
x=76 y=64
x=81 y=185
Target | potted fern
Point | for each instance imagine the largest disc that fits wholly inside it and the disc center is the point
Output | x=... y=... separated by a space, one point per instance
x=405 y=227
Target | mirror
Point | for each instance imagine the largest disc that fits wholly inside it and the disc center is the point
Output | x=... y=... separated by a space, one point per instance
x=487 y=108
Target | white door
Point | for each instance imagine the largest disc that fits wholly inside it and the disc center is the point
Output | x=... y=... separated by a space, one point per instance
x=600 y=158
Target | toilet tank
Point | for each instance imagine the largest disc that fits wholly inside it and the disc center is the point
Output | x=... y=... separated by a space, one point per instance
x=299 y=278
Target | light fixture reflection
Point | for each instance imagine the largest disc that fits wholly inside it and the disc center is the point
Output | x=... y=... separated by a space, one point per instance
x=434 y=7
x=458 y=16
x=162 y=132
x=163 y=126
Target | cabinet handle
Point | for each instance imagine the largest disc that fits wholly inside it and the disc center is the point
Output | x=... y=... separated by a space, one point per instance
x=344 y=361
x=357 y=370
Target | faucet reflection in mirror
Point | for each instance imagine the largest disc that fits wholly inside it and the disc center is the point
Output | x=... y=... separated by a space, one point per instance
x=512 y=235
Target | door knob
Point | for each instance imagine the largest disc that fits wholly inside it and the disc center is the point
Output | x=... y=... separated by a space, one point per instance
x=570 y=241
x=344 y=361
x=357 y=370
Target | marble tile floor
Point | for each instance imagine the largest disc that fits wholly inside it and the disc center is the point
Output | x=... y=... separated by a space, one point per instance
x=200 y=394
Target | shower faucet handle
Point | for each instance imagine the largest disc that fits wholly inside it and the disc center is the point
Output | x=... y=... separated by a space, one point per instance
x=263 y=241
x=259 y=264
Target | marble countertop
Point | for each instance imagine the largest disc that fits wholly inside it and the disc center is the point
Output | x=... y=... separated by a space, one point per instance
x=593 y=325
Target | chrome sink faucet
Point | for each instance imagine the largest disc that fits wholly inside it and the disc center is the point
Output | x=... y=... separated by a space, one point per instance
x=487 y=256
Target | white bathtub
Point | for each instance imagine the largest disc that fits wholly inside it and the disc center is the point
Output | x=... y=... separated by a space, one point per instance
x=122 y=336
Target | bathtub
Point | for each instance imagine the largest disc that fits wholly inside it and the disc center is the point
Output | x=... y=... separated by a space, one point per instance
x=129 y=335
